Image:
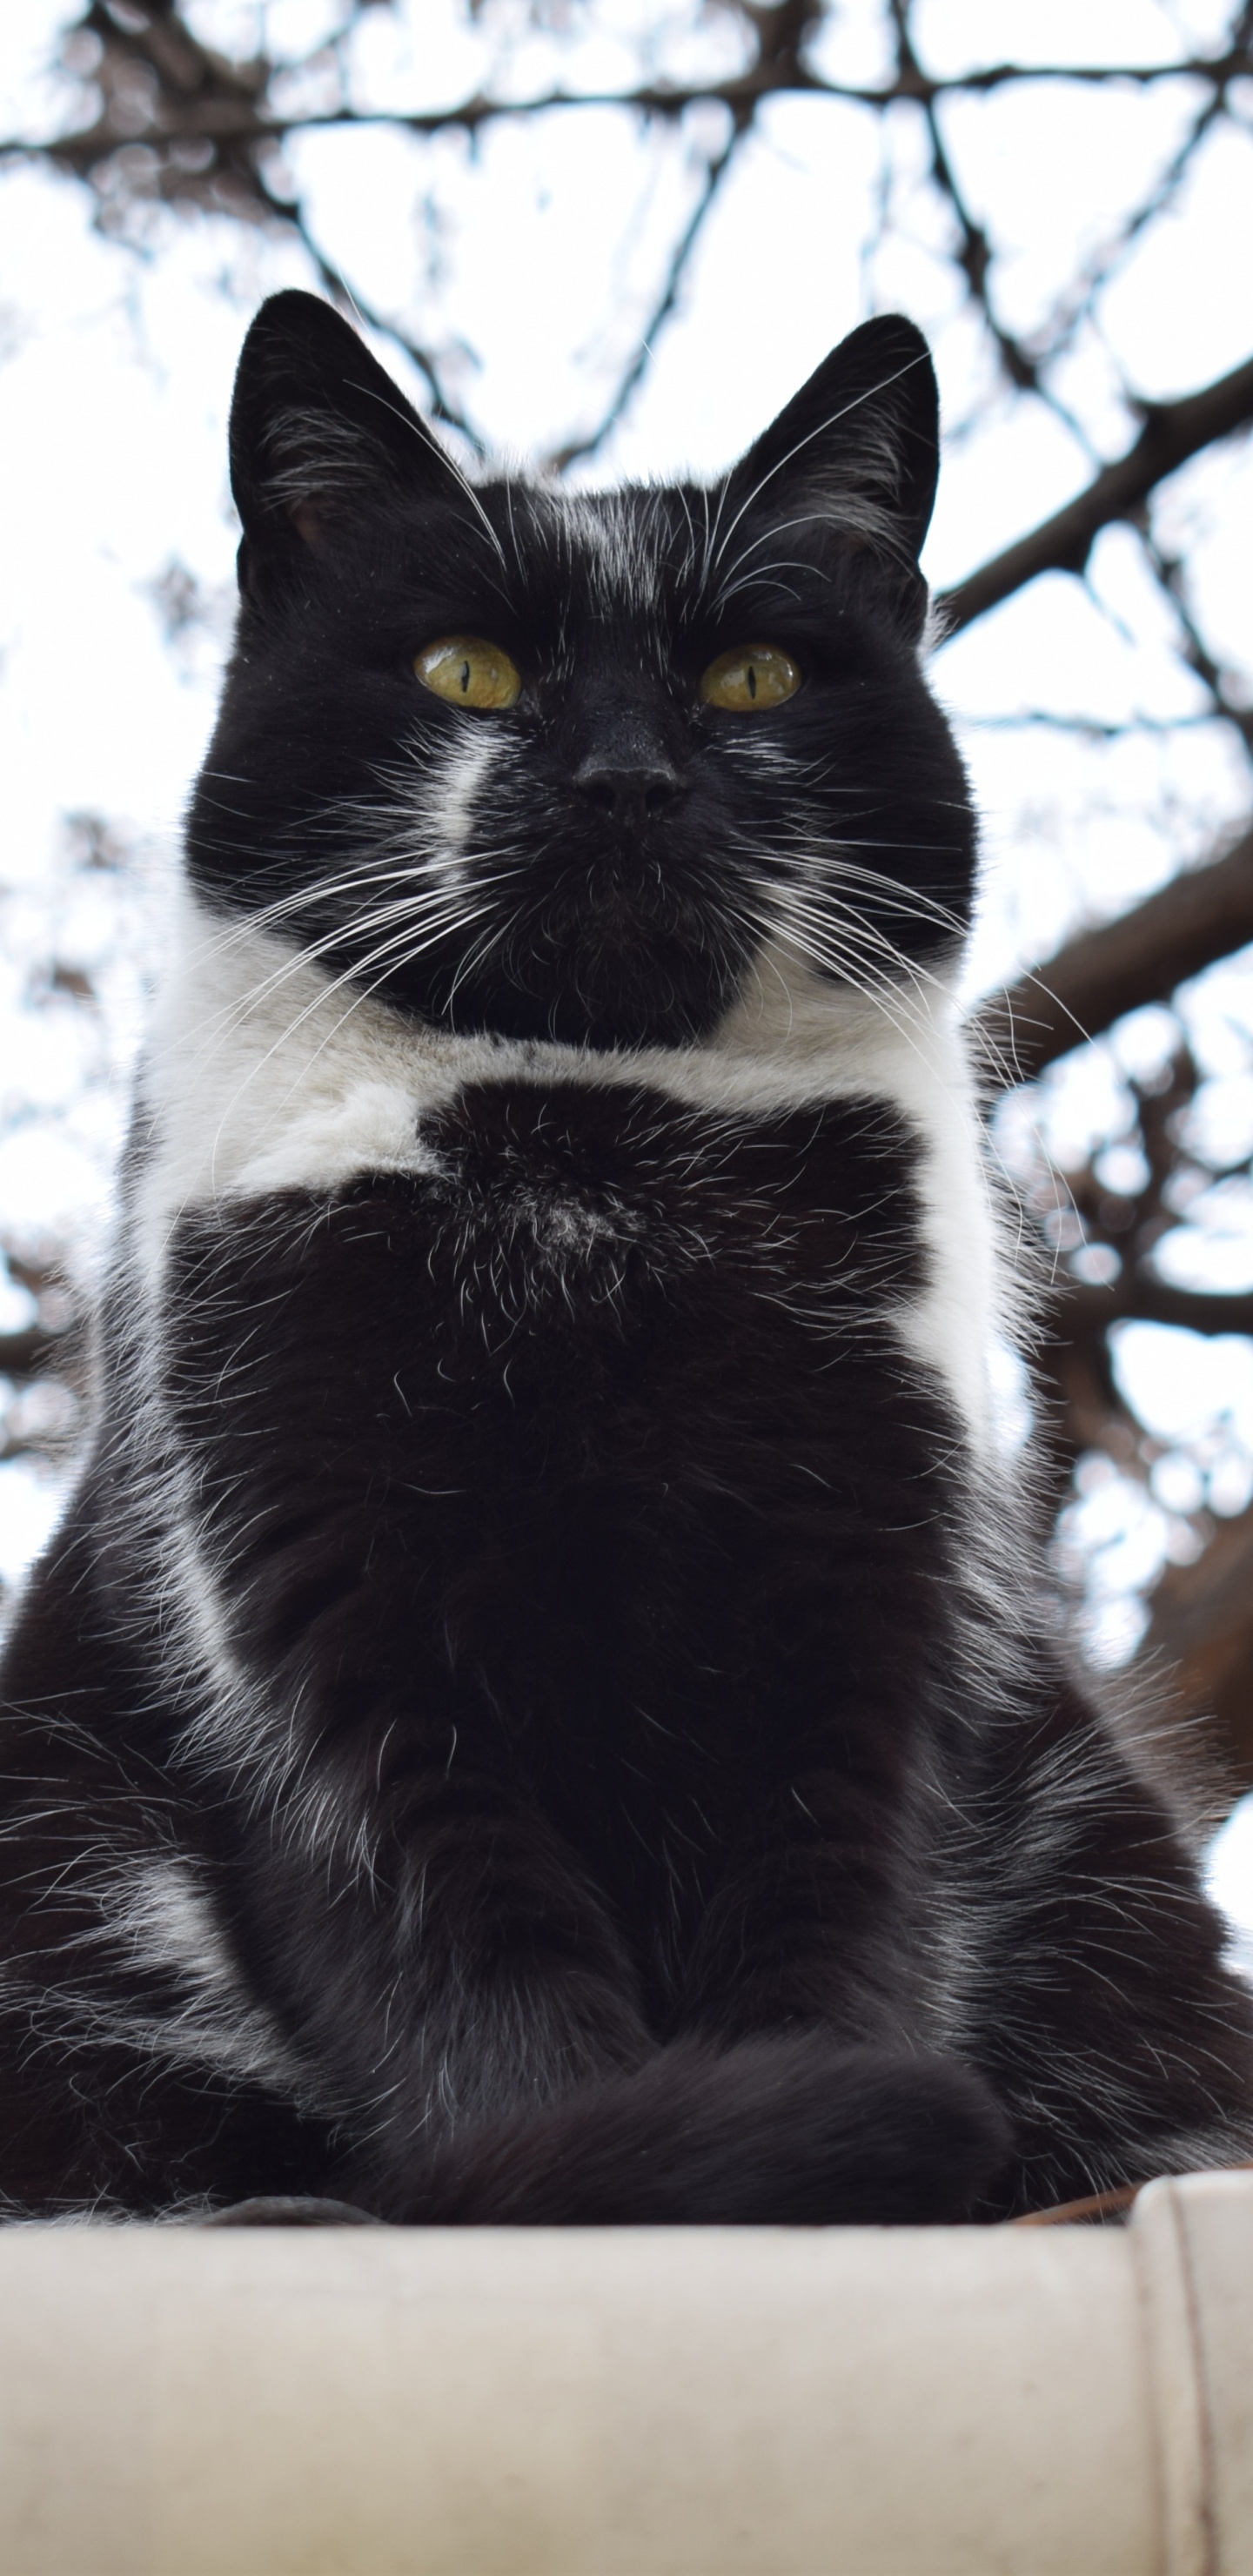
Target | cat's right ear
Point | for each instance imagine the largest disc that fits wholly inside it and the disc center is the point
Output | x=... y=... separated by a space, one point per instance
x=316 y=426
x=857 y=449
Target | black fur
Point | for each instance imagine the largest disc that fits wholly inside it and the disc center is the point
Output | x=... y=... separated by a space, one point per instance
x=530 y=1715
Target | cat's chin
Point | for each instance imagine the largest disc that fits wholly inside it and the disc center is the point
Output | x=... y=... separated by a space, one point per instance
x=571 y=1018
x=615 y=995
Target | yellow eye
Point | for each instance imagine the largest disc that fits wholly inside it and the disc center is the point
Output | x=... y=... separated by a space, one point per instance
x=469 y=672
x=750 y=677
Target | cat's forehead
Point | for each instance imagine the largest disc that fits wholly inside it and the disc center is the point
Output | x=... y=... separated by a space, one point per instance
x=660 y=559
x=638 y=550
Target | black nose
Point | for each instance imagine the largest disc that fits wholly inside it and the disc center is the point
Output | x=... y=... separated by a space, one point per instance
x=630 y=789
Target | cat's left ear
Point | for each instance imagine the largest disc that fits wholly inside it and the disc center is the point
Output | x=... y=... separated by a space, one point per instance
x=858 y=446
x=316 y=426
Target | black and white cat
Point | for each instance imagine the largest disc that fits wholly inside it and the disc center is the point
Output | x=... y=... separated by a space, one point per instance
x=541 y=1707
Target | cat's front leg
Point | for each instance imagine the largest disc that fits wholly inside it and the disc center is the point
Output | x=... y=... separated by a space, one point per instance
x=469 y=1998
x=1092 y=1984
x=809 y=1944
x=439 y=1957
x=809 y=1923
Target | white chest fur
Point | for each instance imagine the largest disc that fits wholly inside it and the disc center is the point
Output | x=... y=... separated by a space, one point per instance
x=261 y=1075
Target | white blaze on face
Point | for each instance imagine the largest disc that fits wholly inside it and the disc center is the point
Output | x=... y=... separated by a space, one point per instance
x=451 y=792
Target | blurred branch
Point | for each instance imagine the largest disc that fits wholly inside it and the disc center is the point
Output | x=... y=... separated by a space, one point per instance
x=1171 y=572
x=1199 y=917
x=1078 y=304
x=780 y=72
x=1142 y=1297
x=440 y=405
x=177 y=121
x=1095 y=728
x=1172 y=433
x=31 y=1353
x=1128 y=1227
x=974 y=253
x=581 y=448
x=1202 y=1625
x=203 y=94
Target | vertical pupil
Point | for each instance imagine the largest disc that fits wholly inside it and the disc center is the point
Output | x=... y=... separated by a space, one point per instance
x=752 y=681
x=465 y=677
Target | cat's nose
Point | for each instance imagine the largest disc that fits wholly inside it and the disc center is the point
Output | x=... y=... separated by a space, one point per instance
x=630 y=789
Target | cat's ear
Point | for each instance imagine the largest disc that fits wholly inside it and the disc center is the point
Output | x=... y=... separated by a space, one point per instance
x=316 y=425
x=859 y=445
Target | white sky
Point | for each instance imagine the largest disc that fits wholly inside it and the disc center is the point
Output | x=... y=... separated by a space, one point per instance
x=531 y=265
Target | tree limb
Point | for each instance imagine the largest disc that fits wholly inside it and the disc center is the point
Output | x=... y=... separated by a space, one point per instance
x=1199 y=917
x=578 y=450
x=1142 y=1298
x=1172 y=433
x=1203 y=1626
x=179 y=121
x=34 y=1352
x=201 y=94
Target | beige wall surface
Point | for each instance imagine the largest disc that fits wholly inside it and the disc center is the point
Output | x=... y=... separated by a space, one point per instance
x=670 y=2402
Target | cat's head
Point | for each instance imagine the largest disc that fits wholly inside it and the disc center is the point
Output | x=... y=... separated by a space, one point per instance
x=565 y=764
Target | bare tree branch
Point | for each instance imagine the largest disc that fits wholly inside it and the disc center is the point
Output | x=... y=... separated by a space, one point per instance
x=974 y=253
x=179 y=122
x=1142 y=957
x=778 y=71
x=196 y=94
x=32 y=1353
x=1171 y=573
x=1202 y=1626
x=1078 y=303
x=1172 y=433
x=579 y=449
x=1080 y=1313
x=354 y=303
x=1141 y=1297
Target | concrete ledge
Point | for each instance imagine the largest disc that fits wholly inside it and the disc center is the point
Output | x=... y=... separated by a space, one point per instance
x=846 y=2402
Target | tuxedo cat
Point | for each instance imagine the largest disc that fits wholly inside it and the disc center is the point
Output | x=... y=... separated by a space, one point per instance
x=541 y=1706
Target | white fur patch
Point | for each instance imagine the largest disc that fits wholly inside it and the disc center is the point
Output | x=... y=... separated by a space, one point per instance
x=450 y=795
x=796 y=1038
x=621 y=562
x=261 y=1078
x=160 y=1914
